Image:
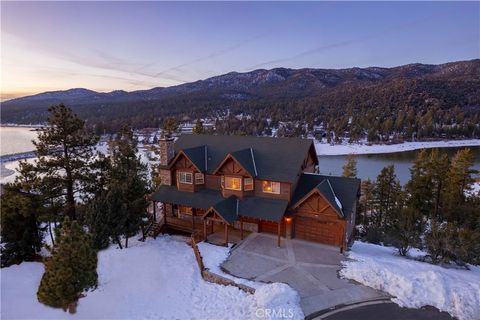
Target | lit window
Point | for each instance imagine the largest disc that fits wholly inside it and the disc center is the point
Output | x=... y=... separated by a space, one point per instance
x=271 y=187
x=185 y=177
x=248 y=184
x=232 y=183
x=199 y=178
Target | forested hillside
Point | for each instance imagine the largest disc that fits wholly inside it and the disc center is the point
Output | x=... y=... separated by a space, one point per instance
x=416 y=100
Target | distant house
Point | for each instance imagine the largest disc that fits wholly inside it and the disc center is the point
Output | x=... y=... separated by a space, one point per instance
x=252 y=184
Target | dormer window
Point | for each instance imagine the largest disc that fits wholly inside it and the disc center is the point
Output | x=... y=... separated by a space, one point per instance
x=185 y=177
x=232 y=183
x=271 y=187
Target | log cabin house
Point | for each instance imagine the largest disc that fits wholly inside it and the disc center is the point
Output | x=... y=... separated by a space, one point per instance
x=214 y=183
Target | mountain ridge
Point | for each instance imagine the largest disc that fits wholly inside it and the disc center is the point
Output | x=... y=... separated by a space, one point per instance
x=268 y=91
x=265 y=76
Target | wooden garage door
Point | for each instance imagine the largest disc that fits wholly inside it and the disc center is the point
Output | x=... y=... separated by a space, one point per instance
x=328 y=232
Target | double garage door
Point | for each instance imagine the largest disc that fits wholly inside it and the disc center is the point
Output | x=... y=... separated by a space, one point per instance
x=328 y=232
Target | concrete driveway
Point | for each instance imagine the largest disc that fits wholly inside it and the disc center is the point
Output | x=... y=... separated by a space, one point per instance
x=310 y=268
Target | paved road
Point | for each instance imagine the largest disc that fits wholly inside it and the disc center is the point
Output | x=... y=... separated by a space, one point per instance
x=389 y=310
x=310 y=268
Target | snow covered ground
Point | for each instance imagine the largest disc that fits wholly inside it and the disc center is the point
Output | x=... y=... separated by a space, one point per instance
x=475 y=191
x=158 y=279
x=414 y=283
x=325 y=149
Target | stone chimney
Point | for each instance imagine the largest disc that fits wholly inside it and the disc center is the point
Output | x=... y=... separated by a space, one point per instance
x=166 y=150
x=166 y=154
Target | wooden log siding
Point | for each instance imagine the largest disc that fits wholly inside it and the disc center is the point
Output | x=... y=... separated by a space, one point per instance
x=316 y=220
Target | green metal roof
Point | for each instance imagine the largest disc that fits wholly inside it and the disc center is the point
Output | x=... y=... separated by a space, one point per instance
x=228 y=209
x=342 y=188
x=202 y=199
x=198 y=155
x=263 y=208
x=326 y=190
x=247 y=160
x=276 y=159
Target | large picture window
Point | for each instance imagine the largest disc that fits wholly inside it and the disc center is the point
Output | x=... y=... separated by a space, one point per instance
x=271 y=187
x=233 y=183
x=248 y=184
x=185 y=177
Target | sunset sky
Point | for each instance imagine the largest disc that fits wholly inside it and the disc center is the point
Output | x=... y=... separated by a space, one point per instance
x=124 y=45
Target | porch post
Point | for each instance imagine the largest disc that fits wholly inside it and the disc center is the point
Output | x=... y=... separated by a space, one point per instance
x=278 y=239
x=193 y=220
x=241 y=228
x=226 y=234
x=154 y=211
x=204 y=230
x=165 y=212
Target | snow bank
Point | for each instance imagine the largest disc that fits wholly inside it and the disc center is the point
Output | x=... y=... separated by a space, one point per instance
x=325 y=149
x=213 y=256
x=413 y=283
x=158 y=279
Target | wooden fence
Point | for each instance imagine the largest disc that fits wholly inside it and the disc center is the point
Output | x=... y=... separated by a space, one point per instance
x=213 y=277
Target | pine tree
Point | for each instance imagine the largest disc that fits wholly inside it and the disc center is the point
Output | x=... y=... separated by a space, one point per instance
x=459 y=180
x=439 y=164
x=120 y=209
x=366 y=199
x=70 y=270
x=198 y=129
x=405 y=229
x=350 y=168
x=65 y=156
x=419 y=186
x=129 y=175
x=386 y=194
x=441 y=241
x=170 y=125
x=20 y=235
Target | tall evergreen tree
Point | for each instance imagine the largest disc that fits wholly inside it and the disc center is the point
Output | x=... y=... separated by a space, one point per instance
x=20 y=235
x=65 y=155
x=350 y=168
x=386 y=194
x=419 y=186
x=120 y=209
x=70 y=270
x=459 y=180
x=366 y=199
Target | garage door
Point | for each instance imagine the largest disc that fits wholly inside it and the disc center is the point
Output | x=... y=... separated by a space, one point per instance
x=328 y=232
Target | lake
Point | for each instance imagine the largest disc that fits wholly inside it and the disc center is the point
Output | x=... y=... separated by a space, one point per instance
x=16 y=140
x=370 y=165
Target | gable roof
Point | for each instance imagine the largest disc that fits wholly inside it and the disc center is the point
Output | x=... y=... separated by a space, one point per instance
x=247 y=160
x=343 y=189
x=198 y=155
x=276 y=159
x=326 y=190
x=227 y=208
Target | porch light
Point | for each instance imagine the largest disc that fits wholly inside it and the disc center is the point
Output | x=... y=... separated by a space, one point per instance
x=288 y=219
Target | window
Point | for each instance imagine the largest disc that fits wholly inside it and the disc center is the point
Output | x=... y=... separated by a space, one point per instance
x=199 y=178
x=248 y=184
x=271 y=187
x=232 y=183
x=185 y=177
